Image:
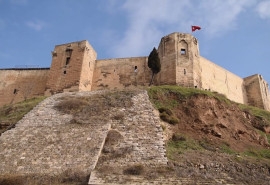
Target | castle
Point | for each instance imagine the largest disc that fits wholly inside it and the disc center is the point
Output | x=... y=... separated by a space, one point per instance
x=75 y=67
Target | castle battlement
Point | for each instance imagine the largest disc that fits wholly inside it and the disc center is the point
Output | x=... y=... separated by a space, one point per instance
x=75 y=67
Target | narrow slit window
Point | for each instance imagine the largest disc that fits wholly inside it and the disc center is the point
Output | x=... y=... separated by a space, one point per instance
x=185 y=71
x=135 y=69
x=65 y=72
x=183 y=51
x=67 y=60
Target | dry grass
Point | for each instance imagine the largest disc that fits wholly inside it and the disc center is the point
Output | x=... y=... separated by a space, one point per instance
x=11 y=114
x=134 y=170
x=69 y=177
x=100 y=107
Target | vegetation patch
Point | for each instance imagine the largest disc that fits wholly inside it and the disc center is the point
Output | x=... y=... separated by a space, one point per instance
x=179 y=144
x=97 y=106
x=70 y=105
x=170 y=96
x=168 y=116
x=69 y=177
x=258 y=153
x=11 y=114
x=262 y=116
x=134 y=170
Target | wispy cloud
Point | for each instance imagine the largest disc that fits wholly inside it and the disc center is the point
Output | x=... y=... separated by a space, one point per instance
x=36 y=25
x=219 y=17
x=263 y=9
x=151 y=19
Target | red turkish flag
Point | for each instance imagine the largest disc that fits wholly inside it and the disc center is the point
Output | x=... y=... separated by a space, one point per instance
x=194 y=28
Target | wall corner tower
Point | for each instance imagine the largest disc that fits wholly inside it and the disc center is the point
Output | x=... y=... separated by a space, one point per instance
x=71 y=68
x=180 y=60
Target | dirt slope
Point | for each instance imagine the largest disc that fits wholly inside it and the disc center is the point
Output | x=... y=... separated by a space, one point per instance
x=210 y=137
x=203 y=117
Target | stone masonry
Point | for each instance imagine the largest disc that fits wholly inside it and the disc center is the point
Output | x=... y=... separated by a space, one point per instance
x=75 y=67
x=44 y=142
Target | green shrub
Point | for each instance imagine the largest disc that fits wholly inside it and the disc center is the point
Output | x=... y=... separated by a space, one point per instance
x=167 y=116
x=174 y=120
x=166 y=110
x=178 y=137
x=171 y=119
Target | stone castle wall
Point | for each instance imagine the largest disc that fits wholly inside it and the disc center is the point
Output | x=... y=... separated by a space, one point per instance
x=121 y=73
x=218 y=79
x=257 y=91
x=20 y=84
x=75 y=68
x=72 y=67
x=181 y=64
x=87 y=68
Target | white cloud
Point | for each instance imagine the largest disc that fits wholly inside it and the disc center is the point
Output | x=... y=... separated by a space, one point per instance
x=150 y=20
x=263 y=9
x=218 y=17
x=36 y=25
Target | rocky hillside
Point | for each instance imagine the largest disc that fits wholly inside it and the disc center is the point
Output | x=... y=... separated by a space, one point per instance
x=186 y=136
x=210 y=137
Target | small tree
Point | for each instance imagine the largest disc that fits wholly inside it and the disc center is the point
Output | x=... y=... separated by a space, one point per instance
x=154 y=63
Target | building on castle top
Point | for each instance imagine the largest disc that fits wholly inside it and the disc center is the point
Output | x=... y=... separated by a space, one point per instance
x=75 y=67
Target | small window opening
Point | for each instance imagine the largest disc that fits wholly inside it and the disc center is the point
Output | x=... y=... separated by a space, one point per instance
x=65 y=72
x=185 y=71
x=67 y=60
x=68 y=52
x=195 y=86
x=15 y=91
x=135 y=69
x=183 y=51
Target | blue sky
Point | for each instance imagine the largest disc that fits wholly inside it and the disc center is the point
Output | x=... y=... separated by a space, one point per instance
x=235 y=34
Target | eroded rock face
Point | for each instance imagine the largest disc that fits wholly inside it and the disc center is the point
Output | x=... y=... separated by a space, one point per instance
x=202 y=116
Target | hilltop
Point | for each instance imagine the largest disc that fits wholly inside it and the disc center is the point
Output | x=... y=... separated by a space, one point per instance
x=208 y=139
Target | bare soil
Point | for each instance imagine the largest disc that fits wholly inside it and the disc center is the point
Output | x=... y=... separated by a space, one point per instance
x=216 y=140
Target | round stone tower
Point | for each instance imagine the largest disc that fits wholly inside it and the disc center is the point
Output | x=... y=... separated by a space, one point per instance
x=179 y=58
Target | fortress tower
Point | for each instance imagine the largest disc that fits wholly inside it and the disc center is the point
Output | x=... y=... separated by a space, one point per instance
x=72 y=68
x=75 y=67
x=179 y=57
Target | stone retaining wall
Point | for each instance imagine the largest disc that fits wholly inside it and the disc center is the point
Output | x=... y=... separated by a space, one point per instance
x=44 y=142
